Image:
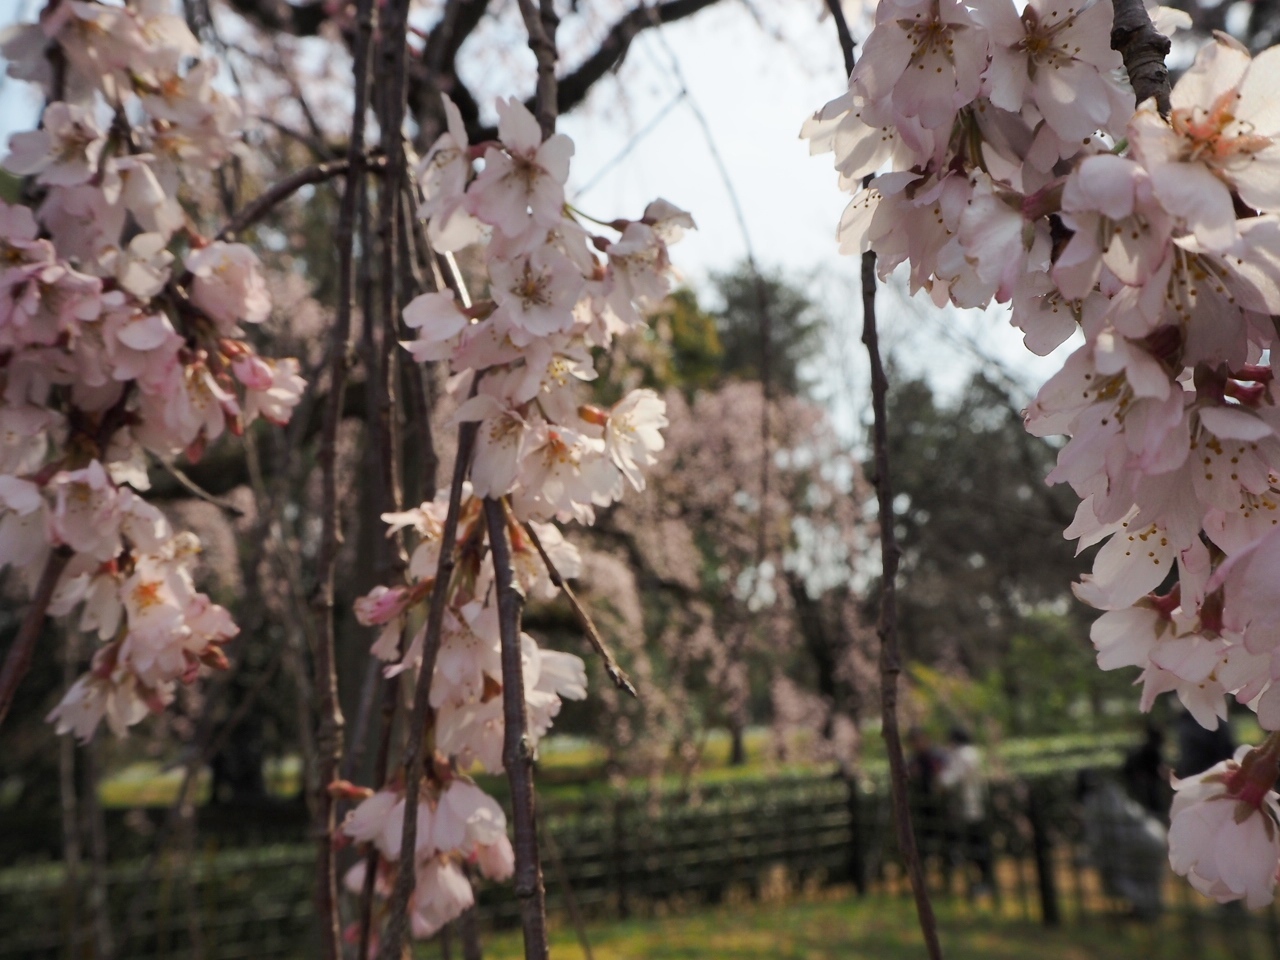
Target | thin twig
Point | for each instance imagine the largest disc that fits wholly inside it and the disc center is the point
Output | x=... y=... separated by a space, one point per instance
x=279 y=192
x=330 y=726
x=570 y=900
x=517 y=751
x=198 y=491
x=887 y=627
x=390 y=691
x=398 y=906
x=616 y=673
x=18 y=660
x=68 y=793
x=99 y=910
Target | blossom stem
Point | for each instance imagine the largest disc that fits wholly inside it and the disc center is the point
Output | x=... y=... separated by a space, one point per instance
x=398 y=906
x=517 y=753
x=616 y=673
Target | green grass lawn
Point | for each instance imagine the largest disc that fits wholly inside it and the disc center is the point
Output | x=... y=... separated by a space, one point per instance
x=840 y=927
x=571 y=768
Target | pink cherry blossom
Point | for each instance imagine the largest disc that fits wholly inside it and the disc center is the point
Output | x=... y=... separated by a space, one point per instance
x=1223 y=829
x=521 y=188
x=227 y=285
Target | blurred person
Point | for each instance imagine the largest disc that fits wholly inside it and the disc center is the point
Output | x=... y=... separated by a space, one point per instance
x=1146 y=775
x=928 y=801
x=963 y=775
x=1198 y=748
x=1126 y=844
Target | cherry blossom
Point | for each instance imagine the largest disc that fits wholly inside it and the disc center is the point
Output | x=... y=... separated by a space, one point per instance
x=1155 y=241
x=1223 y=833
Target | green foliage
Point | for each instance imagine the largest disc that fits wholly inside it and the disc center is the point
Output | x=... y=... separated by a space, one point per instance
x=10 y=187
x=844 y=928
x=696 y=352
x=795 y=321
x=986 y=569
x=692 y=348
x=1047 y=681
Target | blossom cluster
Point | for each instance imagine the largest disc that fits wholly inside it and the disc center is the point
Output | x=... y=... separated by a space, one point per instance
x=120 y=338
x=556 y=293
x=1006 y=161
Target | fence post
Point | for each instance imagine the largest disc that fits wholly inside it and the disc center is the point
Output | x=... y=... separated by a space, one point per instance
x=857 y=842
x=1042 y=850
x=617 y=856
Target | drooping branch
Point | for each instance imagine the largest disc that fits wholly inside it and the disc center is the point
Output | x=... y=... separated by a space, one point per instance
x=616 y=673
x=17 y=660
x=330 y=727
x=887 y=625
x=842 y=33
x=1143 y=49
x=517 y=752
x=413 y=761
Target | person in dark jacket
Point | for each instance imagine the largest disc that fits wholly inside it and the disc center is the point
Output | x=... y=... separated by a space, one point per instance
x=1146 y=776
x=928 y=801
x=1198 y=748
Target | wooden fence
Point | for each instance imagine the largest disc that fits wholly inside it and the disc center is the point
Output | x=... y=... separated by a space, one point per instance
x=629 y=854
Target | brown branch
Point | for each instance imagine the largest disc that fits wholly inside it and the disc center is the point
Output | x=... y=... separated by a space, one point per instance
x=541 y=21
x=517 y=751
x=263 y=204
x=280 y=16
x=330 y=726
x=18 y=660
x=390 y=689
x=887 y=626
x=613 y=48
x=616 y=673
x=457 y=21
x=843 y=33
x=1143 y=49
x=384 y=365
x=398 y=907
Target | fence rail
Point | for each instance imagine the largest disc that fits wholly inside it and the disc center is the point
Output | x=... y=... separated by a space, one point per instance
x=630 y=854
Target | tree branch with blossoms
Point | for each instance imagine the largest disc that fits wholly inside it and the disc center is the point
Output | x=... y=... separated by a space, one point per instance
x=1006 y=162
x=557 y=292
x=330 y=727
x=517 y=748
x=887 y=622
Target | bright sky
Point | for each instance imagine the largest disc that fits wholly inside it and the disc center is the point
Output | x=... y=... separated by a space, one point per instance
x=754 y=91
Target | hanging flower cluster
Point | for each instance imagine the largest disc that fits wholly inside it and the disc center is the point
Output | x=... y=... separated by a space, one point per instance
x=1016 y=168
x=120 y=336
x=557 y=291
